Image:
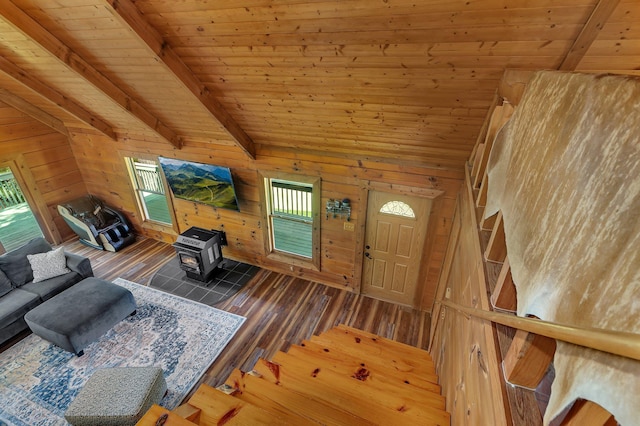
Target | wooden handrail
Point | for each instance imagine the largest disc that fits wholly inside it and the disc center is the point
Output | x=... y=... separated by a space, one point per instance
x=615 y=342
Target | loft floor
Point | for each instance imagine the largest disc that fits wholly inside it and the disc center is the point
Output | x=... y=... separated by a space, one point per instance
x=280 y=310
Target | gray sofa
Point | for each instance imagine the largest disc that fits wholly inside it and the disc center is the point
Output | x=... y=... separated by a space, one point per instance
x=19 y=294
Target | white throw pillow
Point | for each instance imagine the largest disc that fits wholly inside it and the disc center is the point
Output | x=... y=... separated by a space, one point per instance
x=48 y=265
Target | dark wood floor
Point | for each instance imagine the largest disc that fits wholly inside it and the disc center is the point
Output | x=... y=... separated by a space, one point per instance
x=280 y=310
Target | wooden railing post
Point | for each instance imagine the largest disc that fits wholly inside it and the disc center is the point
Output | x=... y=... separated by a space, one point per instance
x=588 y=413
x=528 y=359
x=496 y=250
x=504 y=295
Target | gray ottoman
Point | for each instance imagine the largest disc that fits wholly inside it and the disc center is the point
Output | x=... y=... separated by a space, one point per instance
x=117 y=396
x=81 y=314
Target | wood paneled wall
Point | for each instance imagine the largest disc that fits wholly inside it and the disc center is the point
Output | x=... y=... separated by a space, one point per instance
x=462 y=347
x=103 y=170
x=46 y=163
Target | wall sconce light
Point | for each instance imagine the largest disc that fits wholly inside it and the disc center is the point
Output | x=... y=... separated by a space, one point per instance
x=339 y=208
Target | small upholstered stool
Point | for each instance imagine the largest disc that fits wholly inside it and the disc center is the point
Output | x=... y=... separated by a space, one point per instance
x=117 y=396
x=81 y=314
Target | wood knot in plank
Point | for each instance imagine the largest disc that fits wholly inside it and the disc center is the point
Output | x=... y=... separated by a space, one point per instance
x=228 y=416
x=315 y=372
x=274 y=368
x=481 y=362
x=362 y=374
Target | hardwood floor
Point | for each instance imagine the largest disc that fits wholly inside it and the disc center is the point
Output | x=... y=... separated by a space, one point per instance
x=281 y=310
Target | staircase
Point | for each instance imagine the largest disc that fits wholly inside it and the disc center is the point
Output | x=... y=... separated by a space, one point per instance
x=344 y=376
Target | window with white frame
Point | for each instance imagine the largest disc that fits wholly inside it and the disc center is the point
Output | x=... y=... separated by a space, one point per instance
x=292 y=212
x=149 y=188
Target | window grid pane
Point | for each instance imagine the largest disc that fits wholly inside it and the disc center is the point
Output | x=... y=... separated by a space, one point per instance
x=150 y=190
x=291 y=200
x=156 y=207
x=147 y=176
x=292 y=236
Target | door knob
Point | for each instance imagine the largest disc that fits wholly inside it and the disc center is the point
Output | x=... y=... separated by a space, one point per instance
x=367 y=247
x=367 y=255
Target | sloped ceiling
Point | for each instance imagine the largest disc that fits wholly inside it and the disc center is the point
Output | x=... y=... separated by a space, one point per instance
x=396 y=80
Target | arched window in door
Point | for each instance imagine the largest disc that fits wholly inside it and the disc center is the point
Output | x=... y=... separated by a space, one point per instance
x=398 y=208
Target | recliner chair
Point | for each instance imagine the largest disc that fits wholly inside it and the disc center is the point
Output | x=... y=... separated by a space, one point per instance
x=97 y=225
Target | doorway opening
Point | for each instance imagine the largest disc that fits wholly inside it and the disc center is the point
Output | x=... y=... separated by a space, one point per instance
x=18 y=224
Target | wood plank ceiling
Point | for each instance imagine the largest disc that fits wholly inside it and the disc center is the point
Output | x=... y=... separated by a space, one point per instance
x=391 y=80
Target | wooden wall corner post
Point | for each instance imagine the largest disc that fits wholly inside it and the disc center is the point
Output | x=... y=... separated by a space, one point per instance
x=528 y=359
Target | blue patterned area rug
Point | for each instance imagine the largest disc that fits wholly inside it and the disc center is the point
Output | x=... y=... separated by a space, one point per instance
x=38 y=380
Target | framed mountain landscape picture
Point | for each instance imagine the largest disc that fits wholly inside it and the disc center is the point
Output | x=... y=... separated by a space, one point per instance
x=202 y=183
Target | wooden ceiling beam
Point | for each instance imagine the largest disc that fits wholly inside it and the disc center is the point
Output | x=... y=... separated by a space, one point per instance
x=129 y=14
x=22 y=22
x=33 y=111
x=37 y=87
x=600 y=15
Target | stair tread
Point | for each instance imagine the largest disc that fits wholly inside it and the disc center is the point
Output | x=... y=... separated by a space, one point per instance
x=153 y=414
x=271 y=397
x=370 y=378
x=384 y=341
x=375 y=357
x=344 y=361
x=187 y=411
x=389 y=361
x=220 y=408
x=416 y=362
x=362 y=400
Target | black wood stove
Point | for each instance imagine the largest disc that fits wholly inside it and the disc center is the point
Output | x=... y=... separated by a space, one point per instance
x=199 y=251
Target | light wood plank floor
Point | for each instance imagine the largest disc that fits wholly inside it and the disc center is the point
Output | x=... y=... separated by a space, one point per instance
x=280 y=310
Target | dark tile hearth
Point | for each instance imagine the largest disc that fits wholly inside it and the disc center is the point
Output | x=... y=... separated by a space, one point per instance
x=229 y=277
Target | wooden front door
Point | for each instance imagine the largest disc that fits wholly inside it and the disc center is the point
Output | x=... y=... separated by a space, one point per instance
x=394 y=241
